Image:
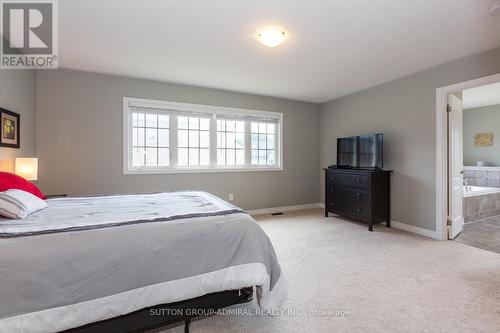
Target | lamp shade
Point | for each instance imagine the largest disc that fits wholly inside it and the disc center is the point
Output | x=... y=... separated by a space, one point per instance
x=27 y=168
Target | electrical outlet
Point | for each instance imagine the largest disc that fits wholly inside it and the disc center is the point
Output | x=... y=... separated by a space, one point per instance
x=231 y=196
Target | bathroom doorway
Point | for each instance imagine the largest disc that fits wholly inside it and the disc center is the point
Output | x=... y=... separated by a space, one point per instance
x=468 y=163
x=481 y=167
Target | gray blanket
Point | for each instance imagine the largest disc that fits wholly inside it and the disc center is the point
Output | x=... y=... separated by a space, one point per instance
x=57 y=269
x=84 y=213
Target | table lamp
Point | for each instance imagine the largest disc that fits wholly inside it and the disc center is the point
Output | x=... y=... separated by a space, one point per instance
x=27 y=168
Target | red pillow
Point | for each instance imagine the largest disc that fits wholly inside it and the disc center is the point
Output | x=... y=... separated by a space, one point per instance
x=10 y=181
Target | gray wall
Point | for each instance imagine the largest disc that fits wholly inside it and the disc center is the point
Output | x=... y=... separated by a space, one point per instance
x=80 y=141
x=481 y=120
x=404 y=110
x=18 y=94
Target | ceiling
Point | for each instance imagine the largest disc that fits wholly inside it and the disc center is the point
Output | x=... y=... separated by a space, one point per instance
x=482 y=96
x=334 y=47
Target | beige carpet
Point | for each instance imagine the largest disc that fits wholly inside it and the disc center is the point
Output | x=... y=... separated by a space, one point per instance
x=389 y=280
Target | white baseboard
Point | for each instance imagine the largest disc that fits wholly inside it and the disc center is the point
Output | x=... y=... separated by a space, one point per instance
x=410 y=228
x=273 y=210
x=415 y=230
x=394 y=224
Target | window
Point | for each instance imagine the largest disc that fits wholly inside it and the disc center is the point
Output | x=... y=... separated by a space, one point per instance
x=193 y=141
x=230 y=142
x=263 y=143
x=150 y=139
x=162 y=137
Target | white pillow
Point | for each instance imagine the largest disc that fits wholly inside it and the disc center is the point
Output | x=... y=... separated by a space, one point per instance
x=17 y=204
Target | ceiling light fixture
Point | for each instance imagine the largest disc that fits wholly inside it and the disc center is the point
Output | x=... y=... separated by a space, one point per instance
x=272 y=36
x=495 y=10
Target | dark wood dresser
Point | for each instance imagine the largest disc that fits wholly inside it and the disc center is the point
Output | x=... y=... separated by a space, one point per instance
x=362 y=195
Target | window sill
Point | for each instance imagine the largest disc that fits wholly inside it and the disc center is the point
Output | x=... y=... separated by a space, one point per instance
x=198 y=170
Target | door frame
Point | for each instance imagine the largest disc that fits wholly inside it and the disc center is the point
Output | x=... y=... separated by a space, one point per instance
x=442 y=147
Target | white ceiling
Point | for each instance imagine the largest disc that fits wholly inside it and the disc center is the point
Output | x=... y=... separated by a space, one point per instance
x=482 y=96
x=335 y=47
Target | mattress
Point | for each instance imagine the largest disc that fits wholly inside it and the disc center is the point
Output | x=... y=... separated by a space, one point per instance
x=83 y=260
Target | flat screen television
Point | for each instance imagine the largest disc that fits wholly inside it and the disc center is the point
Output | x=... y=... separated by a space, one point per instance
x=364 y=151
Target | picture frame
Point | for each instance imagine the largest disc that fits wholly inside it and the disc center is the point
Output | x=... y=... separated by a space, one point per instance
x=483 y=140
x=10 y=129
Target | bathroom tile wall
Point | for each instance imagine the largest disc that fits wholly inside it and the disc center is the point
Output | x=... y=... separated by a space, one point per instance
x=483 y=177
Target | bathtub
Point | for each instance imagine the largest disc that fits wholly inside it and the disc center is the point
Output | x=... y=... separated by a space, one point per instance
x=480 y=202
x=470 y=191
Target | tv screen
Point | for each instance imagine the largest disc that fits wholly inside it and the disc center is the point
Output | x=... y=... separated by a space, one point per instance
x=364 y=151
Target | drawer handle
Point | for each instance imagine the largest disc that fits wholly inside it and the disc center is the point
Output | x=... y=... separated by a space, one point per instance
x=332 y=204
x=358 y=194
x=358 y=210
x=332 y=178
x=332 y=190
x=358 y=180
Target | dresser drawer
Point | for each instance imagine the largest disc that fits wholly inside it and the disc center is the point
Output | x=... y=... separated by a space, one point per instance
x=358 y=194
x=354 y=210
x=348 y=193
x=347 y=179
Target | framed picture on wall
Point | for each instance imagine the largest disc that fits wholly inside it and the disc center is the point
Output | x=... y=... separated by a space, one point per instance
x=10 y=129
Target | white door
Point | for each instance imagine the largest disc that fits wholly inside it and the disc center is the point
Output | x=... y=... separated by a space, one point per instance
x=456 y=167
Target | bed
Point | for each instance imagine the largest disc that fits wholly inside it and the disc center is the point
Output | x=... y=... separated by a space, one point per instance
x=86 y=260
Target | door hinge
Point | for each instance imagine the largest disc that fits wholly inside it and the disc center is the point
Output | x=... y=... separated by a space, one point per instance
x=448 y=108
x=448 y=221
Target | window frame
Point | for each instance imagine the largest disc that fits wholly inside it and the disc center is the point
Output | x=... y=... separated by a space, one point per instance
x=212 y=112
x=145 y=143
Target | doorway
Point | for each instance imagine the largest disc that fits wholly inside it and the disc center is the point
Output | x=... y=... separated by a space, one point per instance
x=467 y=172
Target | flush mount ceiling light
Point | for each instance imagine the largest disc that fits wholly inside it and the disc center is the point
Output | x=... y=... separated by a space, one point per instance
x=495 y=10
x=271 y=36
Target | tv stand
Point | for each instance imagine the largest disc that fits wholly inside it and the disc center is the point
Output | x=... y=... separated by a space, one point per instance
x=353 y=168
x=359 y=194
